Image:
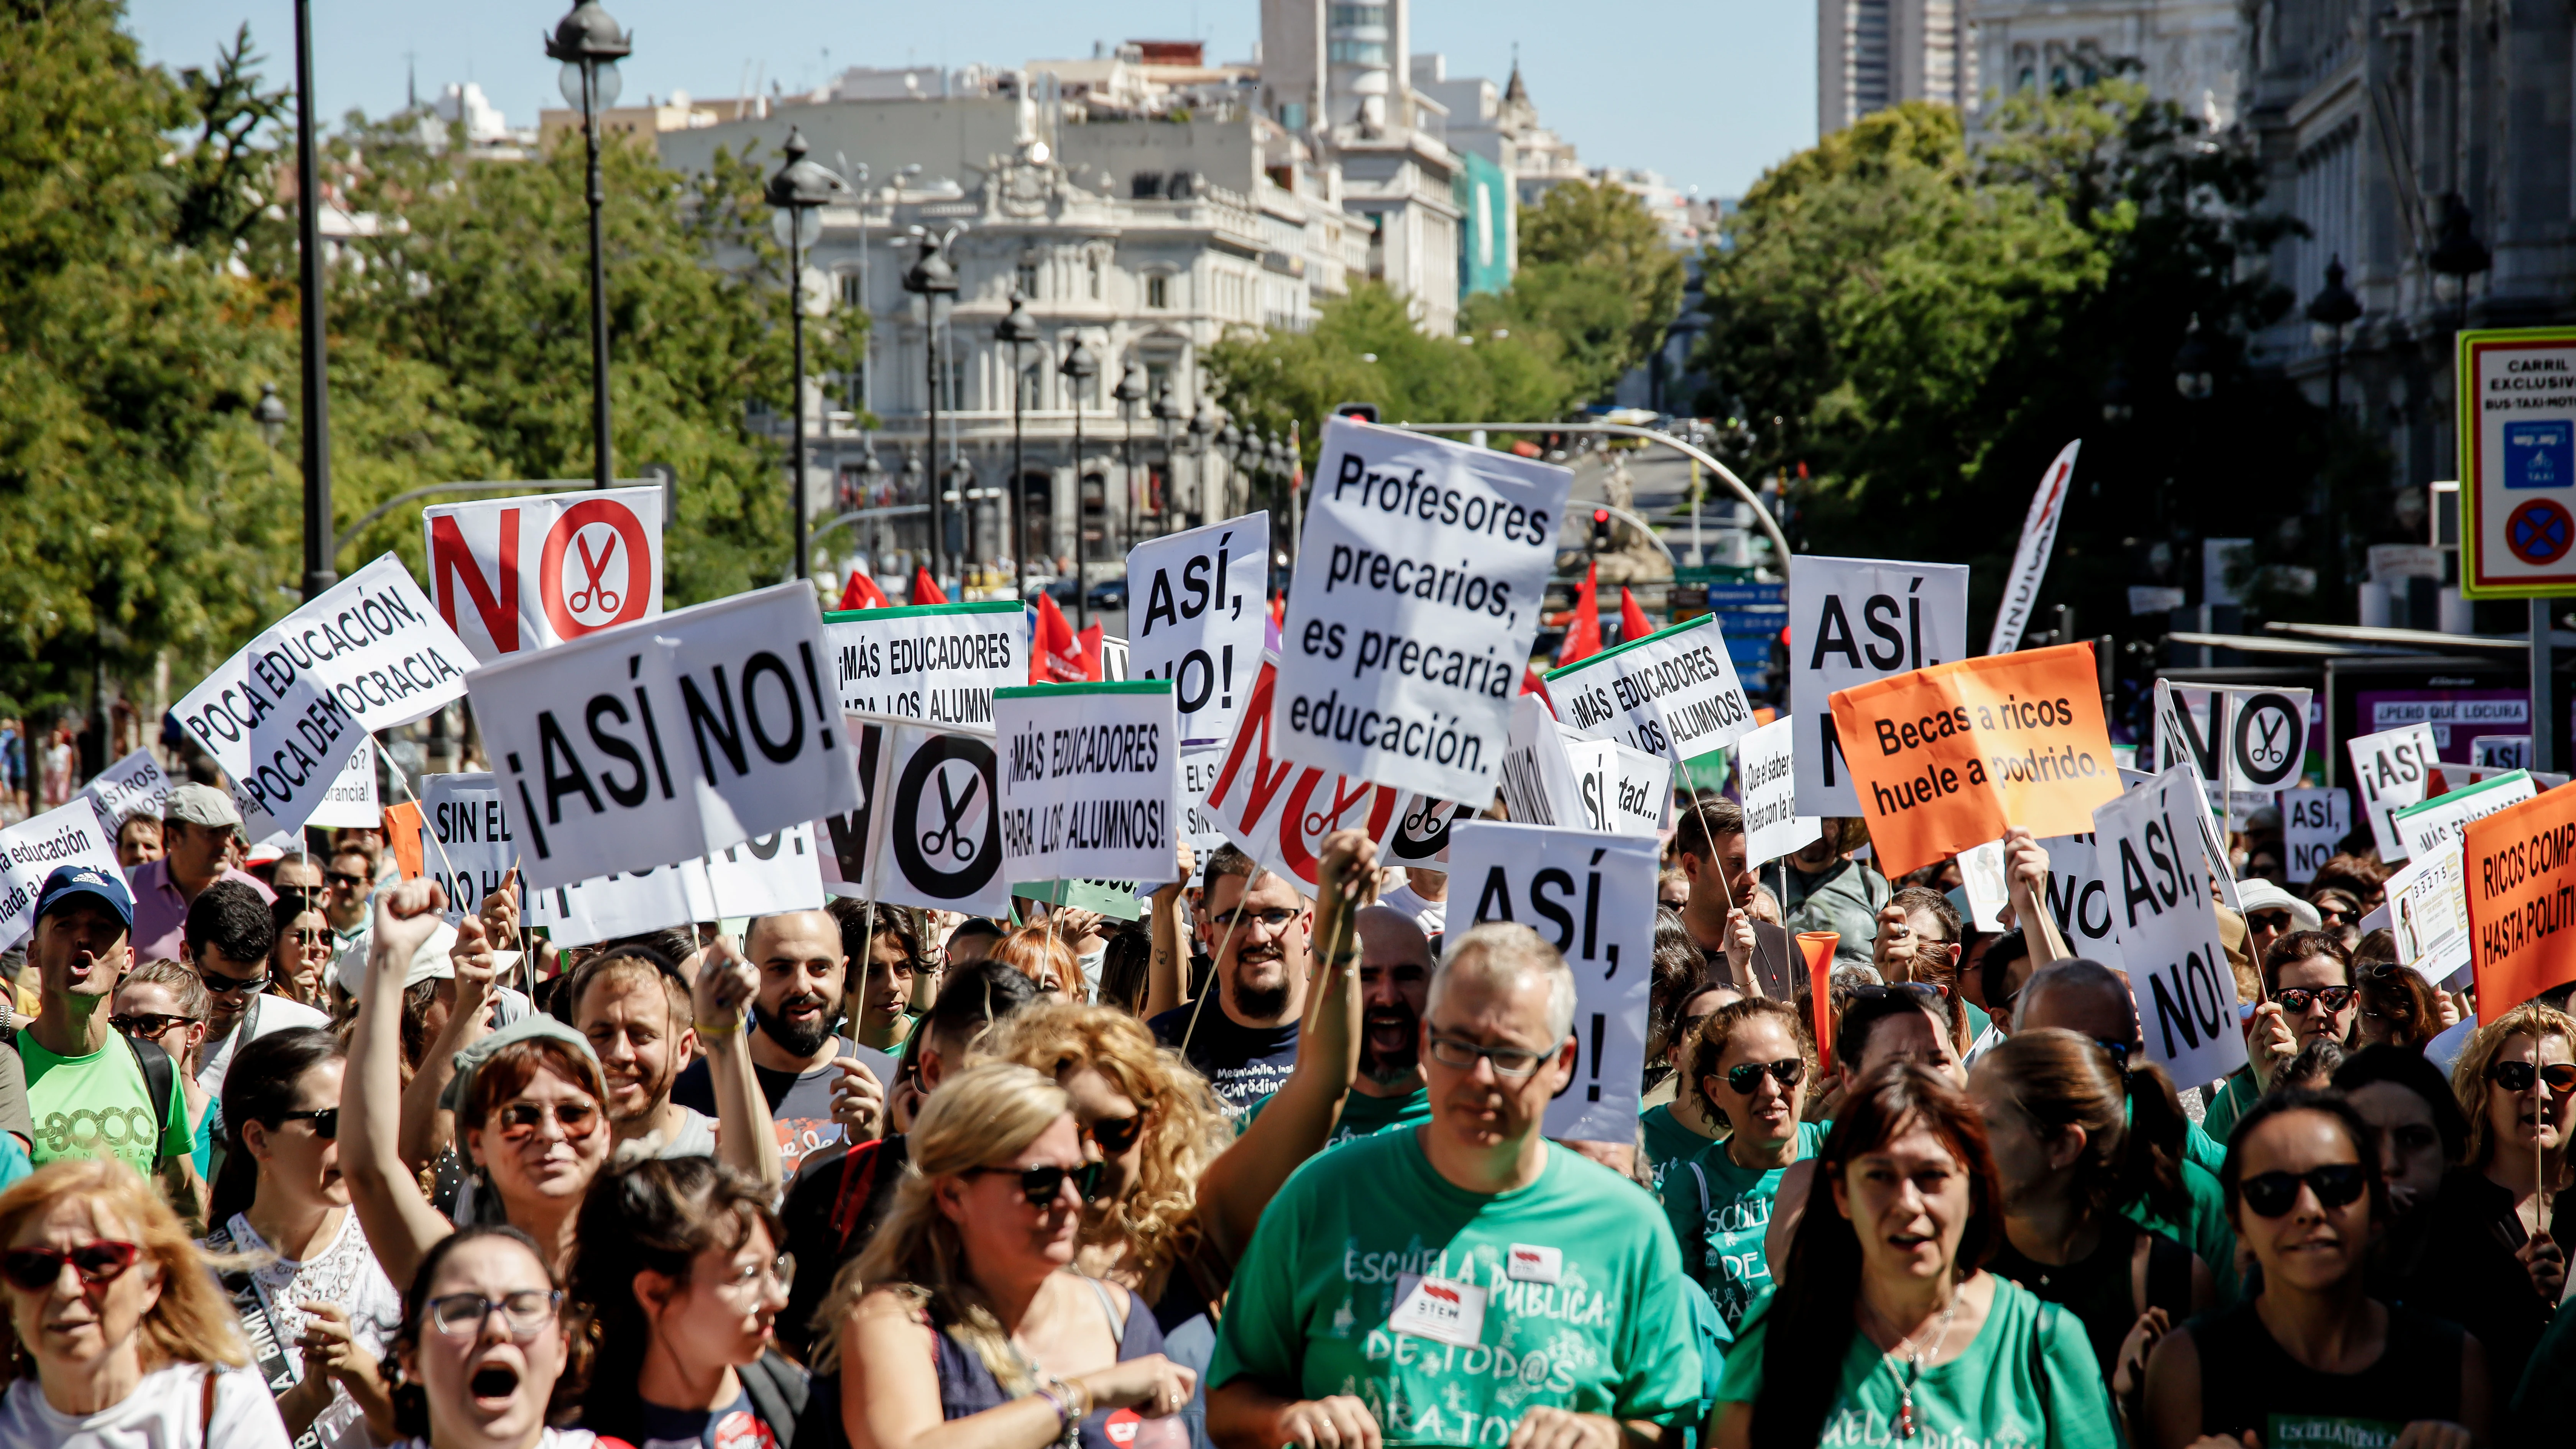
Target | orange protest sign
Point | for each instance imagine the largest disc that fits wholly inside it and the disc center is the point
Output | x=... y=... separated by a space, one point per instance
x=2519 y=866
x=1945 y=758
x=402 y=834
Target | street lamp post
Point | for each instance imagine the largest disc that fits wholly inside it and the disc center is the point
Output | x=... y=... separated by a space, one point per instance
x=799 y=187
x=1129 y=392
x=321 y=571
x=1016 y=331
x=1203 y=428
x=961 y=491
x=590 y=44
x=934 y=280
x=269 y=413
x=1167 y=417
x=2334 y=309
x=1229 y=445
x=1078 y=369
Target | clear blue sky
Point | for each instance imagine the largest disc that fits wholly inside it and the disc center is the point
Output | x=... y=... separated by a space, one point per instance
x=1708 y=92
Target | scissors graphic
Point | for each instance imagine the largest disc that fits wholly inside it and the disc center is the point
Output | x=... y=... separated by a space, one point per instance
x=948 y=838
x=594 y=592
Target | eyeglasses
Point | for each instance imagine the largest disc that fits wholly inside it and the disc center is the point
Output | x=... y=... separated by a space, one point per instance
x=2335 y=915
x=520 y=1119
x=1041 y=1185
x=147 y=1023
x=1745 y=1077
x=524 y=1313
x=2297 y=999
x=1449 y=1051
x=779 y=1273
x=325 y=1120
x=2271 y=1194
x=227 y=985
x=1276 y=918
x=1116 y=1134
x=2518 y=1076
x=37 y=1269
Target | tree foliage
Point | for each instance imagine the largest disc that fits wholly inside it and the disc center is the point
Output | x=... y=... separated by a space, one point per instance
x=1596 y=274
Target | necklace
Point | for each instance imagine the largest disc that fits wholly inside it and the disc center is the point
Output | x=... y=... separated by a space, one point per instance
x=1906 y=1427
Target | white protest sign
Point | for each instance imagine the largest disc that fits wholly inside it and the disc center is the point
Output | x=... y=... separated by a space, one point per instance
x=1982 y=880
x=767 y=874
x=627 y=903
x=1398 y=665
x=35 y=848
x=2030 y=559
x=1537 y=777
x=2392 y=769
x=940 y=845
x=934 y=662
x=465 y=840
x=2314 y=821
x=2500 y=752
x=2078 y=897
x=2428 y=912
x=1090 y=780
x=1592 y=897
x=132 y=786
x=2437 y=822
x=1618 y=790
x=351 y=800
x=671 y=737
x=2178 y=971
x=2248 y=743
x=1853 y=620
x=1195 y=617
x=1673 y=693
x=848 y=838
x=511 y=575
x=1200 y=830
x=282 y=714
x=1766 y=772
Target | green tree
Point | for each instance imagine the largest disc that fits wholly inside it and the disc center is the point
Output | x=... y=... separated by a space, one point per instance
x=1597 y=274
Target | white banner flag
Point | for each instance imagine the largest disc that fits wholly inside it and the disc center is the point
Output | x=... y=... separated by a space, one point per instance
x=2030 y=560
x=2392 y=770
x=1423 y=568
x=35 y=848
x=520 y=574
x=2168 y=928
x=668 y=738
x=939 y=663
x=132 y=786
x=1090 y=780
x=351 y=800
x=1673 y=693
x=282 y=714
x=2247 y=744
x=1766 y=771
x=1853 y=620
x=1195 y=617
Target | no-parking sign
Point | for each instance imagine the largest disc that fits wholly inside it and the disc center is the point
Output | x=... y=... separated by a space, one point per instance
x=2518 y=463
x=513 y=574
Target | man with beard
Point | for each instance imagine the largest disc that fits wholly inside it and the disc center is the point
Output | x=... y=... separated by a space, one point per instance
x=634 y=1009
x=1263 y=931
x=1395 y=976
x=795 y=1053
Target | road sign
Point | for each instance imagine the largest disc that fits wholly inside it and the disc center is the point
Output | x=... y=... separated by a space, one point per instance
x=2518 y=463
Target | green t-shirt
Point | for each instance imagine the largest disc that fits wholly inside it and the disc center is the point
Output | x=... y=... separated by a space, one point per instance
x=1559 y=1294
x=2230 y=1102
x=1720 y=1211
x=93 y=1105
x=1667 y=1140
x=1362 y=1115
x=2029 y=1381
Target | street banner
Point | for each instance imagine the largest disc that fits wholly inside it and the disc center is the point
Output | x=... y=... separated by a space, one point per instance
x=2428 y=912
x=2314 y=821
x=1200 y=830
x=1279 y=812
x=34 y=848
x=1618 y=790
x=939 y=663
x=2168 y=926
x=1090 y=780
x=940 y=846
x=667 y=738
x=1195 y=618
x=1537 y=779
x=351 y=800
x=132 y=786
x=1423 y=567
x=2437 y=822
x=521 y=574
x=2079 y=896
x=465 y=840
x=759 y=877
x=1852 y=620
x=2030 y=559
x=2519 y=867
x=1947 y=757
x=282 y=714
x=1766 y=771
x=1592 y=897
x=1673 y=693
x=2247 y=744
x=2392 y=770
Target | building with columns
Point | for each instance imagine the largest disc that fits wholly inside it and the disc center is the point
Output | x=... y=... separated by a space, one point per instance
x=2188 y=51
x=1873 y=54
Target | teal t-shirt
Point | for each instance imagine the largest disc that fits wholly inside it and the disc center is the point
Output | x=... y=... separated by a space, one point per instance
x=2029 y=1381
x=1363 y=1115
x=1667 y=1140
x=1451 y=1313
x=1719 y=1212
x=2234 y=1096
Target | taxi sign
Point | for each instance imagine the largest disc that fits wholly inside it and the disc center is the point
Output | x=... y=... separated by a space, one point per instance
x=2518 y=463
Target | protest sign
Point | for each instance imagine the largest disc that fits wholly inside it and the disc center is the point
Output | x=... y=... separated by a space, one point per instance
x=1194 y=604
x=2314 y=821
x=758 y=877
x=402 y=837
x=1399 y=663
x=2428 y=912
x=1116 y=899
x=520 y=574
x=2500 y=752
x=34 y=848
x=2434 y=823
x=2168 y=928
x=2246 y=743
x=1090 y=780
x=1947 y=757
x=2519 y=869
x=465 y=840
x=2392 y=770
x=2030 y=558
x=1592 y=897
x=1199 y=828
x=1853 y=620
x=934 y=662
x=351 y=800
x=1983 y=882
x=1537 y=777
x=132 y=786
x=941 y=846
x=1673 y=693
x=282 y=714
x=2447 y=776
x=2078 y=896
x=767 y=874
x=1766 y=772
x=848 y=840
x=675 y=736
x=1618 y=790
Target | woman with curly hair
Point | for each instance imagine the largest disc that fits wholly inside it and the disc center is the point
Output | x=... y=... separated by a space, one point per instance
x=488 y=1356
x=1748 y=1067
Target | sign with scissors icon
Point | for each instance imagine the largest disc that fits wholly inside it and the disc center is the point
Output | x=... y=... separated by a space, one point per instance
x=514 y=574
x=940 y=843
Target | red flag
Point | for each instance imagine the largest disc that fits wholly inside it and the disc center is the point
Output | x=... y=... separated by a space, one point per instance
x=925 y=589
x=1279 y=610
x=1583 y=621
x=1057 y=659
x=862 y=593
x=1091 y=638
x=1633 y=623
x=1531 y=683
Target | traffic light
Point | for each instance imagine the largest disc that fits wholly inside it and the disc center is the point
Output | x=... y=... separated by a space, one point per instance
x=1600 y=529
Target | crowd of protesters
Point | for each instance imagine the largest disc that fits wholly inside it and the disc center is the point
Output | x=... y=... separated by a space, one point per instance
x=293 y=1152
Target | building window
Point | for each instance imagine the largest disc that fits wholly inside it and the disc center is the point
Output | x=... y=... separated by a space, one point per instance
x=1158 y=291
x=1028 y=278
x=1356 y=52
x=852 y=295
x=1095 y=276
x=1349 y=17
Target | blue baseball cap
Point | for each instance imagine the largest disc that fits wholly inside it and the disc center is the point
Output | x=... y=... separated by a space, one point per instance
x=84 y=880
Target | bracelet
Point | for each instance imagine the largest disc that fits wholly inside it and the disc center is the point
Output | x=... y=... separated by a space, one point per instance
x=727 y=1028
x=1079 y=1396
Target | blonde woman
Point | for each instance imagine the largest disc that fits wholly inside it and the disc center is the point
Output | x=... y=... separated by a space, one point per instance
x=116 y=1329
x=961 y=1326
x=2514 y=1083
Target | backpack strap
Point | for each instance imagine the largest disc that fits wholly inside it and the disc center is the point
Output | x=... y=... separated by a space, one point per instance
x=158 y=1072
x=206 y=1409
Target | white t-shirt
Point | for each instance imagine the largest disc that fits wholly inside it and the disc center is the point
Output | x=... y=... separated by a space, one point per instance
x=1431 y=916
x=550 y=1439
x=695 y=1136
x=165 y=1411
x=345 y=1272
x=260 y=1015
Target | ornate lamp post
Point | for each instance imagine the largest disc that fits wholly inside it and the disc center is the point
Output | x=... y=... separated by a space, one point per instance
x=590 y=44
x=1078 y=369
x=1017 y=331
x=2334 y=309
x=799 y=187
x=1129 y=392
x=1167 y=418
x=1203 y=427
x=934 y=280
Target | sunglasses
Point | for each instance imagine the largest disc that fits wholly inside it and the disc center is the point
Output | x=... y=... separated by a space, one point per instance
x=2297 y=999
x=2518 y=1076
x=325 y=1120
x=337 y=881
x=2269 y=920
x=519 y=1120
x=1041 y=1185
x=37 y=1269
x=1743 y=1078
x=1116 y=1134
x=147 y=1023
x=226 y=985
x=2270 y=1194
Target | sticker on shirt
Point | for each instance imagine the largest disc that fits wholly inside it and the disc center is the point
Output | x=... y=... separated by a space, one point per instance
x=1128 y=1429
x=1441 y=1308
x=2328 y=1431
x=1530 y=1263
